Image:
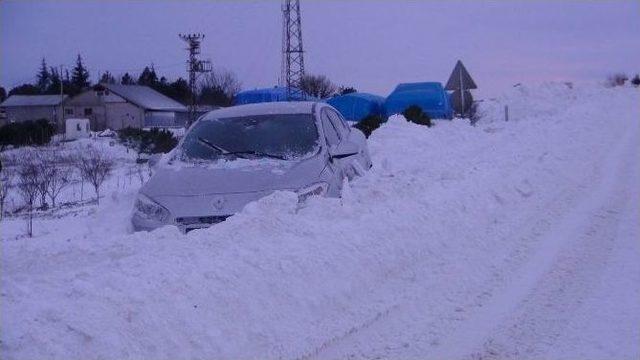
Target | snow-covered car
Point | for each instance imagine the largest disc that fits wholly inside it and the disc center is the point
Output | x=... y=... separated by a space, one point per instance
x=237 y=155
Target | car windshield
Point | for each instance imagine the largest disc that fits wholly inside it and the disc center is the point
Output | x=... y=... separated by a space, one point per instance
x=279 y=136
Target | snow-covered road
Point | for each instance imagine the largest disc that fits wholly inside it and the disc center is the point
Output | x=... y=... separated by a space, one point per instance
x=504 y=240
x=570 y=290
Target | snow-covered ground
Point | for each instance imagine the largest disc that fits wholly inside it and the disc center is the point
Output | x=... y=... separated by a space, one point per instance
x=503 y=240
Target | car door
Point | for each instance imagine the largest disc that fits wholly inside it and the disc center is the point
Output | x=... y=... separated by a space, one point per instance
x=346 y=165
x=357 y=163
x=333 y=140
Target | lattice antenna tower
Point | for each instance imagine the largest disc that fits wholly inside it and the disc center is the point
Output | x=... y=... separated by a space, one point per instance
x=292 y=50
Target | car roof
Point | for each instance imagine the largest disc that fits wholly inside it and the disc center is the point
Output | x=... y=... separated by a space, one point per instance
x=296 y=107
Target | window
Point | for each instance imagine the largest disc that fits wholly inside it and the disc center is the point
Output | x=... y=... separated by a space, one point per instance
x=287 y=136
x=68 y=111
x=88 y=111
x=330 y=133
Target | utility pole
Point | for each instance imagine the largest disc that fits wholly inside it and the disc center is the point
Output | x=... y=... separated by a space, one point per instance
x=62 y=124
x=292 y=51
x=194 y=67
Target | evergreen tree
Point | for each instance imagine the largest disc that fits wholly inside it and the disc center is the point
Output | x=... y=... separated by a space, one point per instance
x=126 y=79
x=25 y=89
x=54 y=83
x=346 y=90
x=80 y=76
x=43 y=77
x=3 y=94
x=178 y=90
x=107 y=78
x=148 y=77
x=69 y=88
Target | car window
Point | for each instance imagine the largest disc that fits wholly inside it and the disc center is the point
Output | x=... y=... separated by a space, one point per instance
x=290 y=136
x=330 y=133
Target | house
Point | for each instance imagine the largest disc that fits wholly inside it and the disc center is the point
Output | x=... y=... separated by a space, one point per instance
x=119 y=106
x=20 y=108
x=429 y=96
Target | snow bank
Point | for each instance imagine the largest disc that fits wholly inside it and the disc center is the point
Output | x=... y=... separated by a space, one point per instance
x=526 y=102
x=280 y=280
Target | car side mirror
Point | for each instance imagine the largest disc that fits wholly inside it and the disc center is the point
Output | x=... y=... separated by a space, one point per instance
x=343 y=150
x=154 y=160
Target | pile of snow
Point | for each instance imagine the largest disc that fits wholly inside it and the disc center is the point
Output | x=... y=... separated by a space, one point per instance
x=440 y=214
x=551 y=99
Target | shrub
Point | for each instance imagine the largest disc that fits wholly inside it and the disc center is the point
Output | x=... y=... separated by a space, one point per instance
x=369 y=124
x=618 y=79
x=94 y=167
x=636 y=80
x=28 y=185
x=147 y=141
x=37 y=132
x=415 y=115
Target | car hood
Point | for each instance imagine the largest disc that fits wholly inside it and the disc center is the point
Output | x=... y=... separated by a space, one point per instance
x=238 y=176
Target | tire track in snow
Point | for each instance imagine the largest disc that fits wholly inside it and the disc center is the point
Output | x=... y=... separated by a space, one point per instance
x=420 y=323
x=554 y=282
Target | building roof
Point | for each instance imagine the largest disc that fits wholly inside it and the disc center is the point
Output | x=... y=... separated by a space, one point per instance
x=145 y=97
x=281 y=107
x=32 y=100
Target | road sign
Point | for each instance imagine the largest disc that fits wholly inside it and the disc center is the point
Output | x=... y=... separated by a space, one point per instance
x=460 y=79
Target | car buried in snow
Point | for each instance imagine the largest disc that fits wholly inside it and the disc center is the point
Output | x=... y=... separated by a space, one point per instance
x=233 y=156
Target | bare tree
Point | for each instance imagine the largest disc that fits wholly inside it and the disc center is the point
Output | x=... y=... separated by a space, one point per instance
x=94 y=167
x=59 y=173
x=41 y=160
x=318 y=86
x=28 y=186
x=219 y=88
x=6 y=184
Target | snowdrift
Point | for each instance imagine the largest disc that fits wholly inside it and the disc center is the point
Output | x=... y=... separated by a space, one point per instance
x=439 y=210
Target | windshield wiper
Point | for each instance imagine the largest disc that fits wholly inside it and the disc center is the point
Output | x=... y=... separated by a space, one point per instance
x=256 y=153
x=222 y=151
x=212 y=145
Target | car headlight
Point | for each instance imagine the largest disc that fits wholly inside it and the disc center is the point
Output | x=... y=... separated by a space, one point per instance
x=317 y=189
x=150 y=209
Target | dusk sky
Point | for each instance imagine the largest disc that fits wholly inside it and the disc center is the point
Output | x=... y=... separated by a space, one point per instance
x=371 y=45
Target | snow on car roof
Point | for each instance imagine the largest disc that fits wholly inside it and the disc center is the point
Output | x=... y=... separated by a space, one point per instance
x=297 y=107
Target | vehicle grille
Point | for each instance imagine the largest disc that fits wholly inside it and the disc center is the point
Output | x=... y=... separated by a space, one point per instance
x=201 y=220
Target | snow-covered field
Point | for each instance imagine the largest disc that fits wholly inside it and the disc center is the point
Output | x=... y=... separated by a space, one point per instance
x=516 y=239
